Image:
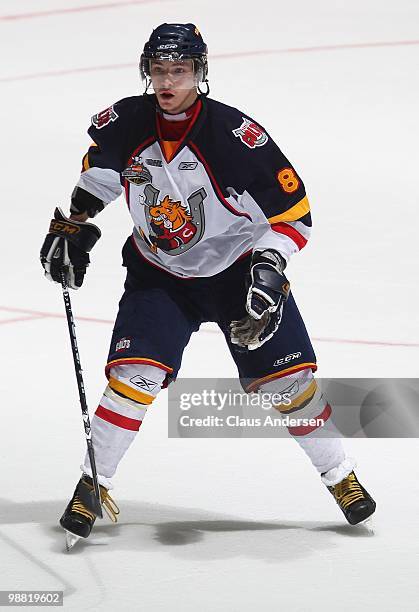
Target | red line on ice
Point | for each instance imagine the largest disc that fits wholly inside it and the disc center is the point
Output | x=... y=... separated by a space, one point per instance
x=366 y=45
x=57 y=73
x=51 y=315
x=21 y=319
x=38 y=314
x=77 y=9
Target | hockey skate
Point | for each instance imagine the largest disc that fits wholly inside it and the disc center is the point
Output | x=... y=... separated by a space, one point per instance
x=78 y=518
x=355 y=502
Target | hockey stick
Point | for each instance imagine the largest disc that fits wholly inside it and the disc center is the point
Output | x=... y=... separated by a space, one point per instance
x=93 y=502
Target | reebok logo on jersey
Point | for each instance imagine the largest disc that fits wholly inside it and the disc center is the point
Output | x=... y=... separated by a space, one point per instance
x=251 y=134
x=188 y=165
x=291 y=390
x=105 y=117
x=143 y=383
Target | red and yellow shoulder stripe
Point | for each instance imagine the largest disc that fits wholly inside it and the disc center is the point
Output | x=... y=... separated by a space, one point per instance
x=292 y=214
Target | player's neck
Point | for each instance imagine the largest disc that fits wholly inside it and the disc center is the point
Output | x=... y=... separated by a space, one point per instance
x=185 y=111
x=174 y=127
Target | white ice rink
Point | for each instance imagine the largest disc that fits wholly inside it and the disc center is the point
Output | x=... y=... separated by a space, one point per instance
x=213 y=525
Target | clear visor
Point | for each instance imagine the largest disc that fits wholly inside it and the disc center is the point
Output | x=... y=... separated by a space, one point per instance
x=172 y=74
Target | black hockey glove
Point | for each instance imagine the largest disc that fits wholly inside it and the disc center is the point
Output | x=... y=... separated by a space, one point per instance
x=267 y=294
x=66 y=248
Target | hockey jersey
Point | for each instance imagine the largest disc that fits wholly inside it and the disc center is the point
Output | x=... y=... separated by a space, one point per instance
x=225 y=190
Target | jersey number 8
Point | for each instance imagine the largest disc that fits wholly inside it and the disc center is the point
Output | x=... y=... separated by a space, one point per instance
x=288 y=181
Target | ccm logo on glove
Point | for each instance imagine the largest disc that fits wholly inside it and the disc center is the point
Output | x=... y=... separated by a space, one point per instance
x=59 y=228
x=66 y=249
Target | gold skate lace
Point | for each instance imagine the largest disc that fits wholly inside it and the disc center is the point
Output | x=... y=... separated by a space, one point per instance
x=108 y=503
x=80 y=508
x=110 y=506
x=348 y=491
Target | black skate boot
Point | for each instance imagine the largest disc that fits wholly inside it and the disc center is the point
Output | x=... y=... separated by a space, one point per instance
x=354 y=501
x=79 y=516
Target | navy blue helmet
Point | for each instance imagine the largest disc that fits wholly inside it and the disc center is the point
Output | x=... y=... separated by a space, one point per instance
x=176 y=41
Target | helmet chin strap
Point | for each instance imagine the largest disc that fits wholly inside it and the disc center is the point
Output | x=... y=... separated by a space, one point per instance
x=147 y=84
x=204 y=93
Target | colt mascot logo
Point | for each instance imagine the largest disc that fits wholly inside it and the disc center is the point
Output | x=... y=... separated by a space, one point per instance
x=251 y=134
x=174 y=228
x=171 y=224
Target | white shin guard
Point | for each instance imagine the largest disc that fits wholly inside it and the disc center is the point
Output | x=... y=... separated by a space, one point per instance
x=131 y=389
x=324 y=453
x=322 y=444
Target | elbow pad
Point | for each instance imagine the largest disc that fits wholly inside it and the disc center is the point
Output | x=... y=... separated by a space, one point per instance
x=84 y=202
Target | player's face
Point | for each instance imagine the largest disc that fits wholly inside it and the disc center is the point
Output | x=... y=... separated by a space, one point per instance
x=174 y=83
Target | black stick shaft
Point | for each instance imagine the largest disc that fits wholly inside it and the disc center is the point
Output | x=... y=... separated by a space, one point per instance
x=82 y=393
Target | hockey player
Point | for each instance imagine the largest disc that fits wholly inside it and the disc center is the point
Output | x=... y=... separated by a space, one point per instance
x=218 y=211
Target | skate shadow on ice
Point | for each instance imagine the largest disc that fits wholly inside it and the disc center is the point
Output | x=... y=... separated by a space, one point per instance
x=212 y=537
x=188 y=533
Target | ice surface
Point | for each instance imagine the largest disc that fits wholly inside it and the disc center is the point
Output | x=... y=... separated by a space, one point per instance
x=213 y=524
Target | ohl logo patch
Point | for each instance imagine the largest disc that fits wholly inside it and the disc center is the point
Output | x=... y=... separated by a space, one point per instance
x=136 y=172
x=105 y=117
x=251 y=134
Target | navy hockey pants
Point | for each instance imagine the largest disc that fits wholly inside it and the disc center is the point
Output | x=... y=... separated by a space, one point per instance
x=158 y=313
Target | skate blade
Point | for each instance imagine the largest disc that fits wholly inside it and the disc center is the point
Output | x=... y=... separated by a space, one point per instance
x=369 y=525
x=71 y=540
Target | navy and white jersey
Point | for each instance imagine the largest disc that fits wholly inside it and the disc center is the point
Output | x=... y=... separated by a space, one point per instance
x=224 y=190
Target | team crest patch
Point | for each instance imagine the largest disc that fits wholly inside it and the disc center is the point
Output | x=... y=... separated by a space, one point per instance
x=105 y=117
x=173 y=227
x=137 y=173
x=251 y=134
